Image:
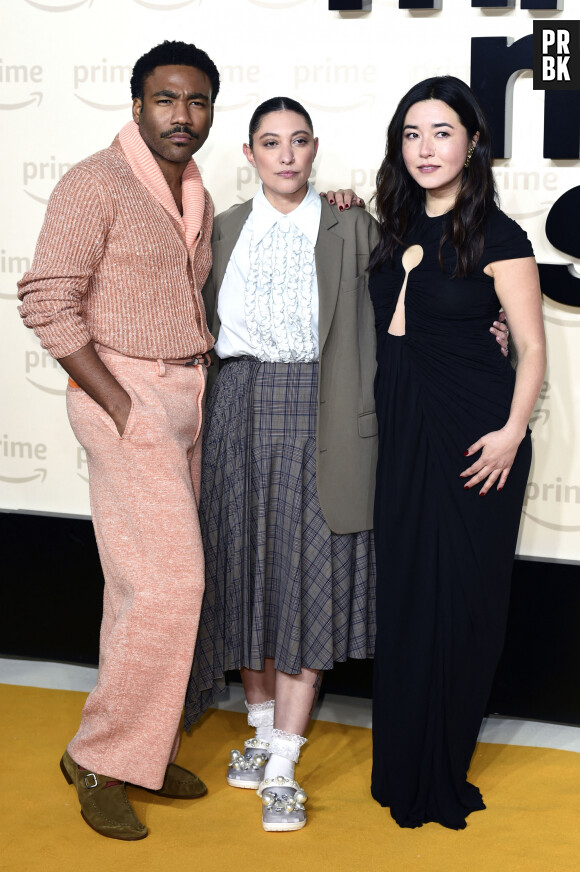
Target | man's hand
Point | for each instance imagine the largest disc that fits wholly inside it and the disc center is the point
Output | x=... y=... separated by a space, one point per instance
x=344 y=198
x=86 y=368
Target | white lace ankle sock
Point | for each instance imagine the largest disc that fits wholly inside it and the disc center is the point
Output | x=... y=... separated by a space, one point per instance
x=278 y=765
x=261 y=716
x=284 y=754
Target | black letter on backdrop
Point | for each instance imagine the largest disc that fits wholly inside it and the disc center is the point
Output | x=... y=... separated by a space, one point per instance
x=350 y=5
x=495 y=65
x=509 y=4
x=541 y=4
x=366 y=5
x=561 y=125
x=559 y=282
x=420 y=4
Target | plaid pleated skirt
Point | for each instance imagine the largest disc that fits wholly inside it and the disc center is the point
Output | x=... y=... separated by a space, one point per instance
x=279 y=583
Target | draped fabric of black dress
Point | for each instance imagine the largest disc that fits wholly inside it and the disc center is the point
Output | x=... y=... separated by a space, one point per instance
x=444 y=554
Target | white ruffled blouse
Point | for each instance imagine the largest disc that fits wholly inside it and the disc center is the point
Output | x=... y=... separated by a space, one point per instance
x=268 y=301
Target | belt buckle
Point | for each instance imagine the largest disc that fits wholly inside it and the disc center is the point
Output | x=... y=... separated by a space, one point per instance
x=94 y=782
x=201 y=359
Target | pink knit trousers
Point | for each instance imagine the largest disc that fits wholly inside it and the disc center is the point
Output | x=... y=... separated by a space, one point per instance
x=144 y=490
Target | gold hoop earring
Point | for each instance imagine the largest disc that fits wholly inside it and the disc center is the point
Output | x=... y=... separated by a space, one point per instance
x=470 y=151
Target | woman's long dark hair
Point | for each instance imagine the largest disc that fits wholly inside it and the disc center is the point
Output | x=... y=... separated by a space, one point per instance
x=400 y=200
x=276 y=104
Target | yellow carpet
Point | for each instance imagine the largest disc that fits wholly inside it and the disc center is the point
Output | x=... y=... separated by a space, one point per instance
x=532 y=822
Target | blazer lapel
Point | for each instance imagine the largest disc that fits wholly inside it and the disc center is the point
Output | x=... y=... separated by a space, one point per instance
x=328 y=253
x=226 y=232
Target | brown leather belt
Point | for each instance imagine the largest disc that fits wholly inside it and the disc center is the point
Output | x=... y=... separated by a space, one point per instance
x=200 y=359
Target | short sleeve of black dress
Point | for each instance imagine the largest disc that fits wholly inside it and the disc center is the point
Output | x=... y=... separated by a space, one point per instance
x=504 y=240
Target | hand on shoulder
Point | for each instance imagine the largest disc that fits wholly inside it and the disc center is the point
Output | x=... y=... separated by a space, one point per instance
x=344 y=198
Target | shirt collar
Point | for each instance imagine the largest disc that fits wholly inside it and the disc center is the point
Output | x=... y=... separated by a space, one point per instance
x=306 y=216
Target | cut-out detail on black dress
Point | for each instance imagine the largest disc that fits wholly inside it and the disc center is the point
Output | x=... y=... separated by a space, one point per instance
x=444 y=554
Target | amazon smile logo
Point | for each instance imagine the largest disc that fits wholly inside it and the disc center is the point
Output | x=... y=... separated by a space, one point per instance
x=367 y=101
x=279 y=4
x=249 y=100
x=106 y=107
x=23 y=77
x=19 y=459
x=168 y=6
x=35 y=97
x=235 y=78
x=58 y=5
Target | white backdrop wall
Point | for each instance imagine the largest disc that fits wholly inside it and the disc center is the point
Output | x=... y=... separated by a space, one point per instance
x=64 y=93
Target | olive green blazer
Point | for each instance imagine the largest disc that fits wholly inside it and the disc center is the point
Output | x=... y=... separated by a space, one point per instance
x=346 y=438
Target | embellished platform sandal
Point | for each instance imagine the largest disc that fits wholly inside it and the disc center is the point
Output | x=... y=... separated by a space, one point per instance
x=283 y=803
x=247 y=770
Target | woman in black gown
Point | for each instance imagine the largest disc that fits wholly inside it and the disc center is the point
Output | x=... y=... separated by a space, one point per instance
x=445 y=527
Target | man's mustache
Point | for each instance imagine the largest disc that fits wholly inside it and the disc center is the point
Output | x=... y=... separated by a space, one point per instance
x=180 y=128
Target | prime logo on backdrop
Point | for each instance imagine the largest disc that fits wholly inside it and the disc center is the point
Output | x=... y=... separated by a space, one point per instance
x=336 y=84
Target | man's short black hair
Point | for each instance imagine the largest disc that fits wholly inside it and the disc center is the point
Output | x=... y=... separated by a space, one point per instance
x=169 y=53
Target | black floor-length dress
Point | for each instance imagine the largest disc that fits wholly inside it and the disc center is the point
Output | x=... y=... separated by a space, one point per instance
x=444 y=554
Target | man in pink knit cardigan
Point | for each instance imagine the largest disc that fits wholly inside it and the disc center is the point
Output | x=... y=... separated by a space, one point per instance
x=114 y=293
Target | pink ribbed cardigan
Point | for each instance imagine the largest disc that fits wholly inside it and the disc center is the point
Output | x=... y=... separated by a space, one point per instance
x=112 y=266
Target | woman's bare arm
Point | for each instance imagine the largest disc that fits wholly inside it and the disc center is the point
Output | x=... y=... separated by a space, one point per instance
x=518 y=288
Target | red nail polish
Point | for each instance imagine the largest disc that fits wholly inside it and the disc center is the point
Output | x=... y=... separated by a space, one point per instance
x=465 y=487
x=347 y=206
x=331 y=202
x=482 y=493
x=341 y=208
x=466 y=453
